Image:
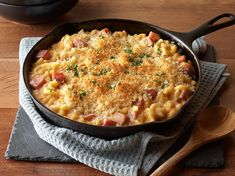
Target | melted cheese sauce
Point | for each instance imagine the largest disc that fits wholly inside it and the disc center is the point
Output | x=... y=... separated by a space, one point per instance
x=108 y=75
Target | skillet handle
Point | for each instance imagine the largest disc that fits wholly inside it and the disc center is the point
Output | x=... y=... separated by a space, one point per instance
x=208 y=27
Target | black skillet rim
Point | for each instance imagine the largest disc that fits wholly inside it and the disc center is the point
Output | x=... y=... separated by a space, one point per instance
x=169 y=33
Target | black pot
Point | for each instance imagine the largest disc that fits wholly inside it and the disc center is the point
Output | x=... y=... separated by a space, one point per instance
x=26 y=2
x=183 y=40
x=33 y=12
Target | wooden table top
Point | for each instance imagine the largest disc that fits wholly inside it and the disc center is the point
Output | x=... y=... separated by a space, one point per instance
x=179 y=16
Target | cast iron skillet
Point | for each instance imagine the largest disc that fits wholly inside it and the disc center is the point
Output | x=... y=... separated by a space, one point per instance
x=183 y=40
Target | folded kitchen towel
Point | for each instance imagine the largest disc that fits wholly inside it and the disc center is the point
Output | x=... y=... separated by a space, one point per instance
x=131 y=155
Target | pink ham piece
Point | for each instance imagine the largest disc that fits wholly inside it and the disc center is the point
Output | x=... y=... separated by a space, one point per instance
x=106 y=30
x=59 y=77
x=119 y=118
x=45 y=54
x=153 y=37
x=109 y=122
x=79 y=43
x=89 y=117
x=181 y=59
x=187 y=68
x=185 y=94
x=37 y=82
x=132 y=114
x=152 y=93
x=139 y=105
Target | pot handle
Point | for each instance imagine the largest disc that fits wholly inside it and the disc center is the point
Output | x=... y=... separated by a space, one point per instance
x=207 y=27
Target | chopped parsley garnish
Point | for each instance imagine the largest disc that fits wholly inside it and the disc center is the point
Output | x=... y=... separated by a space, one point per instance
x=128 y=51
x=75 y=69
x=165 y=84
x=104 y=71
x=75 y=93
x=159 y=51
x=93 y=81
x=68 y=67
x=112 y=57
x=157 y=81
x=144 y=55
x=130 y=59
x=160 y=74
x=137 y=62
x=97 y=61
x=82 y=94
x=96 y=74
x=126 y=71
x=114 y=85
x=84 y=70
x=111 y=86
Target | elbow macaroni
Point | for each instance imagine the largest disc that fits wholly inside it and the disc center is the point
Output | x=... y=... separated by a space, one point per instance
x=106 y=73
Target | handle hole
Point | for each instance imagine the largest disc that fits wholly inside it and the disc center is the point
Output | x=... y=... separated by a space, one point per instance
x=220 y=21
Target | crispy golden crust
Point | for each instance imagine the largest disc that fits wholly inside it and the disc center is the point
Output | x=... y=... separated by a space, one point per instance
x=106 y=78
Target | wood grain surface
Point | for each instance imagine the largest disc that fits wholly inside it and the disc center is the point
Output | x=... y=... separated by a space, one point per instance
x=180 y=15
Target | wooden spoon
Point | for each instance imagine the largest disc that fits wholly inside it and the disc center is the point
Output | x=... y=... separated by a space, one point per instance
x=212 y=123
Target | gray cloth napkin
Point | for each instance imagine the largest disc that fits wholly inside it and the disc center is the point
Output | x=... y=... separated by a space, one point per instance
x=132 y=155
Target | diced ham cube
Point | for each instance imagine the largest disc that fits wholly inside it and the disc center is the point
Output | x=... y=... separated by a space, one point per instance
x=45 y=54
x=152 y=93
x=154 y=37
x=37 y=82
x=119 y=118
x=79 y=43
x=187 y=68
x=109 y=122
x=59 y=77
x=138 y=106
x=133 y=113
x=89 y=117
x=185 y=94
x=106 y=30
x=181 y=59
x=139 y=103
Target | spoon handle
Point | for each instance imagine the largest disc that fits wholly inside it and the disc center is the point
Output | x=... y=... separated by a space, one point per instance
x=165 y=167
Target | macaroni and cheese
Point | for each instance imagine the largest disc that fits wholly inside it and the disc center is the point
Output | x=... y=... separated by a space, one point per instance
x=113 y=78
